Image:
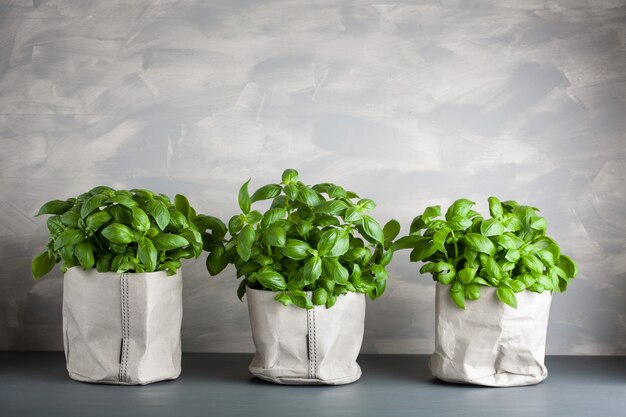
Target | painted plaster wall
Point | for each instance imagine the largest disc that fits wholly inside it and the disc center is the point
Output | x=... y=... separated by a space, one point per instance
x=410 y=103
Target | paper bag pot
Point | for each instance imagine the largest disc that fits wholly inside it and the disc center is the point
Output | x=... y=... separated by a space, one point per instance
x=122 y=328
x=306 y=347
x=490 y=343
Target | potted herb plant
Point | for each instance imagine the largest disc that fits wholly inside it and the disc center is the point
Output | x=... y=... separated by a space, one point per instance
x=307 y=264
x=495 y=278
x=120 y=252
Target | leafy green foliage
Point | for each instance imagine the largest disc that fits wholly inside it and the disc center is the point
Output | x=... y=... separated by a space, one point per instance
x=122 y=231
x=509 y=251
x=313 y=244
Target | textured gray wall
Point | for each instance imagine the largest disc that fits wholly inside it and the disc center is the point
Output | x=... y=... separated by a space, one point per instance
x=411 y=103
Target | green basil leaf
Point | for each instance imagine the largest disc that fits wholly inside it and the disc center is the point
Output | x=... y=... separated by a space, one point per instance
x=253 y=217
x=320 y=296
x=546 y=256
x=55 y=226
x=95 y=220
x=568 y=265
x=512 y=255
x=103 y=264
x=168 y=241
x=291 y=191
x=312 y=269
x=423 y=249
x=289 y=176
x=533 y=263
x=386 y=258
x=244 y=242
x=466 y=275
x=353 y=214
x=122 y=199
x=366 y=204
x=517 y=286
x=459 y=208
x=334 y=270
x=272 y=280
x=495 y=208
x=327 y=241
x=507 y=296
x=332 y=207
x=147 y=254
x=480 y=243
x=236 y=223
x=216 y=261
x=69 y=237
x=372 y=229
x=283 y=298
x=182 y=204
x=491 y=267
x=491 y=227
x=390 y=231
x=342 y=244
x=266 y=192
x=430 y=213
x=70 y=218
x=42 y=264
x=141 y=222
x=92 y=204
x=244 y=198
x=55 y=207
x=406 y=242
x=300 y=299
x=275 y=236
x=509 y=241
x=439 y=239
x=457 y=293
x=84 y=253
x=296 y=249
x=118 y=233
x=211 y=223
x=472 y=291
x=309 y=196
x=161 y=214
x=272 y=215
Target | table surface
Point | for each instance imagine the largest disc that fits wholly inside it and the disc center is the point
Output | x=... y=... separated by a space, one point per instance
x=36 y=384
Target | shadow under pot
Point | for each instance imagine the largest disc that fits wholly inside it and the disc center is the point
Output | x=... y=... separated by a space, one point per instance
x=296 y=346
x=490 y=343
x=122 y=328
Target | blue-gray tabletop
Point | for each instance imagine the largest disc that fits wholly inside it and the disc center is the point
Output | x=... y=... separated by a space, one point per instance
x=36 y=384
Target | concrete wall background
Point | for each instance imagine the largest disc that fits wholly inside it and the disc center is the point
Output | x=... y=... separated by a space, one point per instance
x=409 y=103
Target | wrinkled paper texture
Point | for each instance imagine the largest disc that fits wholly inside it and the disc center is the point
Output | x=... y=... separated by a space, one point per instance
x=93 y=326
x=305 y=347
x=490 y=343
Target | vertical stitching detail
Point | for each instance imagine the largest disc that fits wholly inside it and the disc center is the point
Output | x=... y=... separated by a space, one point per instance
x=123 y=372
x=314 y=375
x=309 y=343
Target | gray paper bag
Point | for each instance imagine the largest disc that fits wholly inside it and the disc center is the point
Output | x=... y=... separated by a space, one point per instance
x=122 y=328
x=490 y=343
x=298 y=346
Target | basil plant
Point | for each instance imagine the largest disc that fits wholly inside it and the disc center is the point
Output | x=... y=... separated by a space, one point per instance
x=119 y=231
x=509 y=251
x=313 y=244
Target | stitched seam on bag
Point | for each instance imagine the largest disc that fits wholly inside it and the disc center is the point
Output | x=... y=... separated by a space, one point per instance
x=123 y=372
x=314 y=346
x=310 y=314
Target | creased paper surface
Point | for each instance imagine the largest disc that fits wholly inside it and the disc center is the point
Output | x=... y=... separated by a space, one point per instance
x=490 y=343
x=298 y=346
x=119 y=332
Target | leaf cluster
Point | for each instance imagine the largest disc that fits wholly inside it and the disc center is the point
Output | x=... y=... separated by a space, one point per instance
x=509 y=251
x=313 y=244
x=119 y=231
